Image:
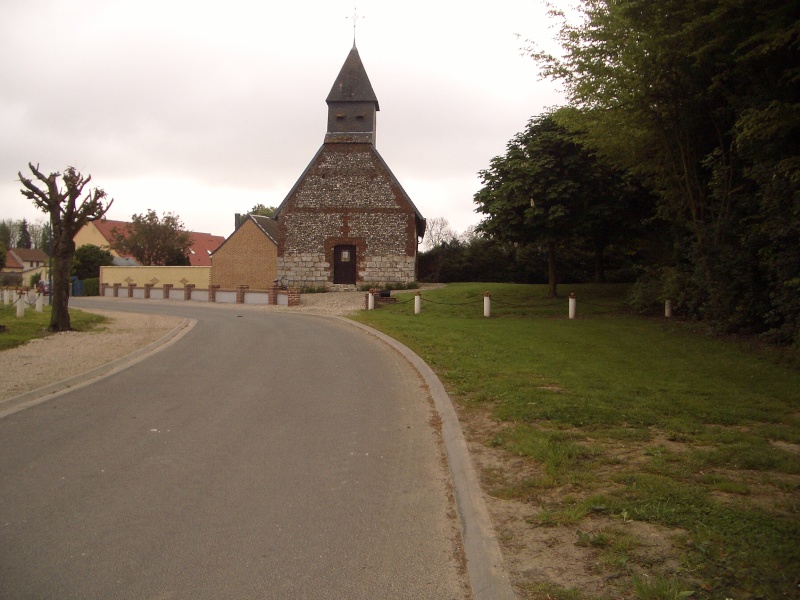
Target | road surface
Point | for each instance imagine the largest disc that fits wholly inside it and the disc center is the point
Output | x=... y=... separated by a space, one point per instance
x=263 y=455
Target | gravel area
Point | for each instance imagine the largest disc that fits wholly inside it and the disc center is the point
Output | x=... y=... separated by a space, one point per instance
x=51 y=359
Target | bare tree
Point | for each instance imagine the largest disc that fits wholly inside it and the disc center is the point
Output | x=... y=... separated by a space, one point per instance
x=66 y=218
x=437 y=232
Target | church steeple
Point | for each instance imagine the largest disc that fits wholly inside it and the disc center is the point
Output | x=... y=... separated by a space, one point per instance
x=352 y=104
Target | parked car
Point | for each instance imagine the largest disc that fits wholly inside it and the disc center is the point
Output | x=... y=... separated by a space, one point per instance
x=43 y=287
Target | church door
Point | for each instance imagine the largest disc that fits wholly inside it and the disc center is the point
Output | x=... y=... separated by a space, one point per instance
x=344 y=265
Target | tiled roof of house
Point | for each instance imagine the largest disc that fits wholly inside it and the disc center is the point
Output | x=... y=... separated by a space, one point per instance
x=29 y=254
x=12 y=262
x=203 y=244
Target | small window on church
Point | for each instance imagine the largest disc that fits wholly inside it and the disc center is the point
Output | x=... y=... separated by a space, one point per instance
x=360 y=117
x=339 y=117
x=345 y=255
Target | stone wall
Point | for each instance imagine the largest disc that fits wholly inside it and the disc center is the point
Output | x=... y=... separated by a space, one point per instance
x=347 y=196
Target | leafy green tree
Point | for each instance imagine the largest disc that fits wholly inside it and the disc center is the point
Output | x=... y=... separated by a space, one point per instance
x=5 y=234
x=67 y=216
x=88 y=259
x=549 y=190
x=700 y=99
x=266 y=211
x=24 y=240
x=152 y=240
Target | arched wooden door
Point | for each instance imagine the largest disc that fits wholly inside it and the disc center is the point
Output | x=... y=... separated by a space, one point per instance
x=344 y=265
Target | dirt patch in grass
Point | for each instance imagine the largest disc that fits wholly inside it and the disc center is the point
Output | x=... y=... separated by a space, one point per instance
x=558 y=538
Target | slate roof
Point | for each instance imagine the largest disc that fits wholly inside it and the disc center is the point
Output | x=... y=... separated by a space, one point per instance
x=352 y=83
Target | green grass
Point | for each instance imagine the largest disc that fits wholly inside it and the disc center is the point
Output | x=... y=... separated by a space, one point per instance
x=34 y=325
x=580 y=397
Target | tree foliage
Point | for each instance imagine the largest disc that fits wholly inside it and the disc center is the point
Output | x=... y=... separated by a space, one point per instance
x=437 y=232
x=24 y=239
x=700 y=99
x=69 y=210
x=154 y=241
x=265 y=211
x=550 y=191
x=88 y=259
x=2 y=255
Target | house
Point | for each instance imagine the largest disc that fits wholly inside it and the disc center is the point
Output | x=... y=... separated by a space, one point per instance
x=249 y=255
x=25 y=262
x=348 y=220
x=99 y=234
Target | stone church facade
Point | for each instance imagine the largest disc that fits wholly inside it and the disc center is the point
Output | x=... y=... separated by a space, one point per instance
x=347 y=221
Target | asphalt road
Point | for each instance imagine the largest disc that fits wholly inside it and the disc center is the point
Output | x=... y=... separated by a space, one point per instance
x=263 y=455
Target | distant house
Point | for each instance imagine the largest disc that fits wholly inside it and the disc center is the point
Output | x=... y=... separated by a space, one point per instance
x=25 y=262
x=348 y=220
x=98 y=233
x=249 y=255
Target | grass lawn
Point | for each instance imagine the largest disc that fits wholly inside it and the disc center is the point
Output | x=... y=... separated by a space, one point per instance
x=616 y=420
x=35 y=324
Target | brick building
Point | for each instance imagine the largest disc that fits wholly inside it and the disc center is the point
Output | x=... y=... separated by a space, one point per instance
x=348 y=220
x=249 y=255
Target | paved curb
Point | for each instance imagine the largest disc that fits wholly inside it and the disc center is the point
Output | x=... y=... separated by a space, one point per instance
x=487 y=573
x=9 y=406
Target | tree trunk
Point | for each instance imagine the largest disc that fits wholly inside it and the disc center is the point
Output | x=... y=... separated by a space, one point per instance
x=599 y=263
x=63 y=251
x=551 y=270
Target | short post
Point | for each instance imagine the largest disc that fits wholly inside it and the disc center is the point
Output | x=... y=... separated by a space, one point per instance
x=487 y=304
x=116 y=289
x=417 y=304
x=668 y=308
x=371 y=300
x=7 y=296
x=147 y=288
x=39 y=302
x=20 y=304
x=572 y=305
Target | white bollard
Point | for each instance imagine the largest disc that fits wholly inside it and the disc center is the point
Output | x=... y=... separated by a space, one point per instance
x=572 y=306
x=417 y=304
x=487 y=305
x=370 y=300
x=668 y=308
x=21 y=304
x=8 y=296
x=39 y=302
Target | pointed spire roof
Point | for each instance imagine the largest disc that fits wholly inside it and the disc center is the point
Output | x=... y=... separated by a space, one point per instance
x=352 y=83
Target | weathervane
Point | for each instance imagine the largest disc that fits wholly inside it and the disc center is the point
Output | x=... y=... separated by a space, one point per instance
x=355 y=18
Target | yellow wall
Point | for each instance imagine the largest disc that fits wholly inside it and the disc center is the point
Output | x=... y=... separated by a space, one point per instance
x=158 y=276
x=88 y=234
x=248 y=257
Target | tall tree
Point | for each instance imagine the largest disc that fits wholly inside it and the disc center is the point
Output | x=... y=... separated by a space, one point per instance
x=2 y=255
x=67 y=216
x=437 y=232
x=549 y=190
x=8 y=233
x=24 y=240
x=701 y=99
x=265 y=211
x=154 y=241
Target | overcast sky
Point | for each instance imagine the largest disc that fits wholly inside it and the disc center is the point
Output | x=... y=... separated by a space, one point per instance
x=206 y=108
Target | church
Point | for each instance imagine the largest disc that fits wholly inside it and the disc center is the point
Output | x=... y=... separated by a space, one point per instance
x=348 y=221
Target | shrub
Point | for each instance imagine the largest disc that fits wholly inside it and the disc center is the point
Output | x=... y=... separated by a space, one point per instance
x=91 y=287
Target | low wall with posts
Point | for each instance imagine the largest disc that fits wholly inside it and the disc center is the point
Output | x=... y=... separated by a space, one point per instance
x=211 y=293
x=179 y=277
